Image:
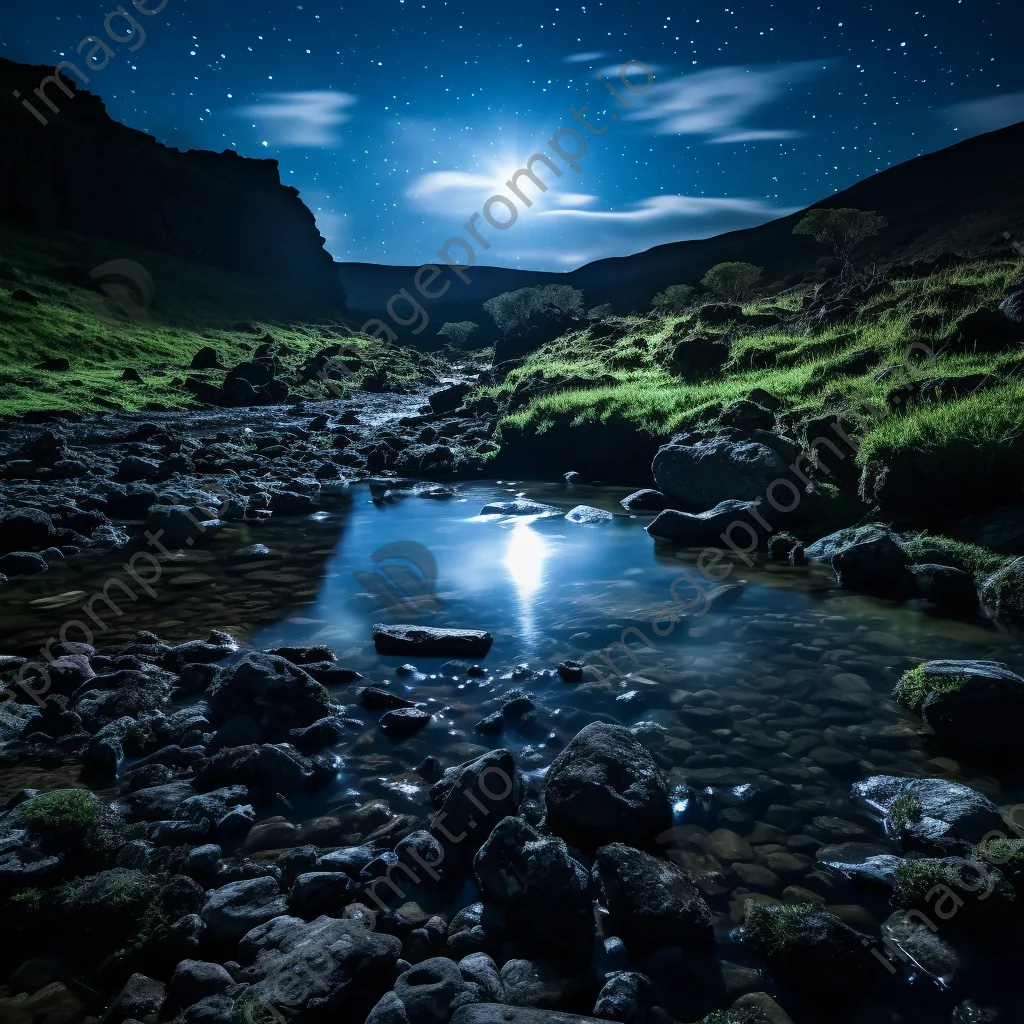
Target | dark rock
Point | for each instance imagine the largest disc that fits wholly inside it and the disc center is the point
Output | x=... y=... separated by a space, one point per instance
x=976 y=703
x=544 y=891
x=22 y=563
x=747 y=415
x=651 y=901
x=141 y=998
x=604 y=786
x=719 y=314
x=701 y=471
x=194 y=980
x=698 y=530
x=945 y=586
x=206 y=359
x=626 y=997
x=430 y=641
x=352 y=966
x=921 y=950
x=929 y=812
x=427 y=993
x=866 y=558
x=985 y=330
x=1003 y=592
x=541 y=983
x=492 y=781
x=25 y=529
x=321 y=892
x=810 y=948
x=234 y=909
x=698 y=358
x=520 y=507
x=450 y=398
x=866 y=864
x=402 y=723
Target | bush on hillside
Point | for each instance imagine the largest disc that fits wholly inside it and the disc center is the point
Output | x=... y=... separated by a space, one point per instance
x=732 y=281
x=674 y=299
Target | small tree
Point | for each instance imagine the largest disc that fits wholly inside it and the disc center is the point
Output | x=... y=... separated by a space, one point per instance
x=842 y=230
x=511 y=311
x=600 y=312
x=732 y=281
x=674 y=299
x=458 y=334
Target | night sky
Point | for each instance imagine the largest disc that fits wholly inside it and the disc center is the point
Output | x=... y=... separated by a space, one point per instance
x=396 y=119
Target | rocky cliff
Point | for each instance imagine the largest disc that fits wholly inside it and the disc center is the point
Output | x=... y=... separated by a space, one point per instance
x=84 y=172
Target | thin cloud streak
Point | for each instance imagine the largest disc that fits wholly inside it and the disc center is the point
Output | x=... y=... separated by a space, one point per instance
x=301 y=118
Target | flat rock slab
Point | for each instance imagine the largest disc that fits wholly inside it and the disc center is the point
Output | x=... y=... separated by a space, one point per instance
x=431 y=641
x=499 y=1013
x=520 y=507
x=587 y=515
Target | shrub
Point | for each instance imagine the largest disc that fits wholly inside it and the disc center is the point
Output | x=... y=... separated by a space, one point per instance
x=601 y=312
x=511 y=311
x=64 y=812
x=458 y=334
x=842 y=229
x=732 y=281
x=674 y=299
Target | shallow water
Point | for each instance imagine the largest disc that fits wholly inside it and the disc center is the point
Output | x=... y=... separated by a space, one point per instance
x=784 y=683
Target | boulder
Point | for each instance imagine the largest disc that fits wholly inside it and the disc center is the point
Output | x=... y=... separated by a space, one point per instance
x=624 y=997
x=140 y=999
x=25 y=529
x=450 y=398
x=321 y=892
x=811 y=949
x=945 y=586
x=929 y=812
x=544 y=891
x=976 y=703
x=490 y=780
x=698 y=358
x=22 y=563
x=206 y=359
x=426 y=994
x=402 y=723
x=866 y=558
x=337 y=969
x=920 y=949
x=700 y=471
x=651 y=901
x=1003 y=592
x=604 y=787
x=542 y=984
x=705 y=528
x=719 y=314
x=430 y=641
x=234 y=909
x=520 y=507
x=193 y=980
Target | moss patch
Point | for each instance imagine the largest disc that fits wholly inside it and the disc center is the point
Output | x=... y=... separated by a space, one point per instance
x=777 y=930
x=64 y=813
x=915 y=685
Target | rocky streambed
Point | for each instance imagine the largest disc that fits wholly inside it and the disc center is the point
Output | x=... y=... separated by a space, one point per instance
x=634 y=793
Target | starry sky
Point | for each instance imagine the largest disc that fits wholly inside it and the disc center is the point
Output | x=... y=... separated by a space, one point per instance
x=397 y=119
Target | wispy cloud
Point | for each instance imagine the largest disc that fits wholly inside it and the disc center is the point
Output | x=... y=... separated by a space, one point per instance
x=443 y=191
x=567 y=237
x=720 y=103
x=584 y=58
x=988 y=114
x=301 y=118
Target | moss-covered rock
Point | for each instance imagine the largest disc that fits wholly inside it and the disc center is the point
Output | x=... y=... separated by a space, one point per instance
x=979 y=704
x=810 y=948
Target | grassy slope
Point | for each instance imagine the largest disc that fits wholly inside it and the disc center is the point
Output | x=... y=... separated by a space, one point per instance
x=806 y=372
x=194 y=306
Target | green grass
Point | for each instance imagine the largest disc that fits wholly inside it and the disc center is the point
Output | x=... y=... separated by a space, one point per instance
x=592 y=380
x=194 y=307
